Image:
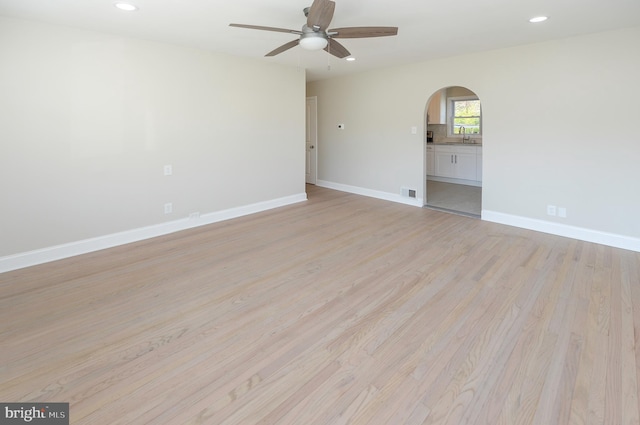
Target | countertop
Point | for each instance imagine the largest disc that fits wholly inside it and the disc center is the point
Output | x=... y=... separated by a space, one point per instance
x=455 y=144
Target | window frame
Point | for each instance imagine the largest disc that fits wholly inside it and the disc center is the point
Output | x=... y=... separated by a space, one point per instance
x=450 y=118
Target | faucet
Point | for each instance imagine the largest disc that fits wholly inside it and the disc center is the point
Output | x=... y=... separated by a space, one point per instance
x=465 y=138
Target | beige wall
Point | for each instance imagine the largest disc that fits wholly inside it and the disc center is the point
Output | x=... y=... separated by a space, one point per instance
x=558 y=129
x=87 y=122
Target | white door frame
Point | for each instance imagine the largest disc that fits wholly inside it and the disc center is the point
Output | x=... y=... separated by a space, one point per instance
x=311 y=140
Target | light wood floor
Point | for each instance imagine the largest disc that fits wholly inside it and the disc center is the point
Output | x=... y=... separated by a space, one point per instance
x=339 y=310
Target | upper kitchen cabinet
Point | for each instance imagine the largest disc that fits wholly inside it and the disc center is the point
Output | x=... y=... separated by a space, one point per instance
x=437 y=110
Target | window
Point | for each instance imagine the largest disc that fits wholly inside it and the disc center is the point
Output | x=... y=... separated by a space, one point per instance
x=464 y=113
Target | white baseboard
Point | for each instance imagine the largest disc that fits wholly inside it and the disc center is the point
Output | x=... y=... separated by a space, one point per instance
x=588 y=235
x=58 y=252
x=416 y=202
x=580 y=233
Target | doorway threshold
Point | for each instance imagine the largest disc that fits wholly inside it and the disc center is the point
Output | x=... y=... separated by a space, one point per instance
x=447 y=210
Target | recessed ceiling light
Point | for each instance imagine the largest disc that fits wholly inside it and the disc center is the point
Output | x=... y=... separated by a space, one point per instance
x=126 y=7
x=351 y=59
x=538 y=19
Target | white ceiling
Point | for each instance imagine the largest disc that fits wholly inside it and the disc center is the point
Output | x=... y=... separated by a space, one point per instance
x=428 y=29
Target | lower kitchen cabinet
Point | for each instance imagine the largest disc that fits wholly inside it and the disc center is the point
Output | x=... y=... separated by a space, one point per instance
x=431 y=160
x=457 y=162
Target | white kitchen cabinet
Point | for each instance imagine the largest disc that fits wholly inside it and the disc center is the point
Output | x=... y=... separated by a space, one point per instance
x=465 y=166
x=431 y=160
x=437 y=110
x=457 y=162
x=445 y=167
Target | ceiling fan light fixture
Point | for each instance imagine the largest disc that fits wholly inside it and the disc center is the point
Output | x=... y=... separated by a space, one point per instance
x=312 y=41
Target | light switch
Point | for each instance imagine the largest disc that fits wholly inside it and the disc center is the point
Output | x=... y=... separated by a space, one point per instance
x=414 y=130
x=168 y=170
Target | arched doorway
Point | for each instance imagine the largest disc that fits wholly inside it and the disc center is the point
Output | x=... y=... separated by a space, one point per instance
x=453 y=151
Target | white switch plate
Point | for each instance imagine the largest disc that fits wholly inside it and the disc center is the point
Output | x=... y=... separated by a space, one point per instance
x=168 y=170
x=168 y=208
x=551 y=210
x=414 y=130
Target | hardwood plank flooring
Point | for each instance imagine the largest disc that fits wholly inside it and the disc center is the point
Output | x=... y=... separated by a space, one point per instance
x=339 y=310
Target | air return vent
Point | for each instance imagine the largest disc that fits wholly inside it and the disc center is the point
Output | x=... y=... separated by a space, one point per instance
x=407 y=193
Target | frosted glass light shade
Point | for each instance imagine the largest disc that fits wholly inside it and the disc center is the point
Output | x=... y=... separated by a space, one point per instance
x=313 y=43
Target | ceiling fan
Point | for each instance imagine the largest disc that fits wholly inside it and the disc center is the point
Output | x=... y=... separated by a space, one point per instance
x=315 y=34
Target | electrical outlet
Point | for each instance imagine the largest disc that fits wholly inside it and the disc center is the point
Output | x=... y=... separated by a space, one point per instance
x=562 y=212
x=168 y=170
x=194 y=216
x=551 y=210
x=168 y=208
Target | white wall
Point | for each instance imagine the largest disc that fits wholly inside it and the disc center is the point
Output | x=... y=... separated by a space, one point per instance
x=88 y=120
x=557 y=121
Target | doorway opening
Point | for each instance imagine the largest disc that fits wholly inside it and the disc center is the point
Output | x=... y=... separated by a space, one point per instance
x=311 y=140
x=453 y=152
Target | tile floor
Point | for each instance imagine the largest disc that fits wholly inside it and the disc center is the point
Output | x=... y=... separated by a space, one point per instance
x=454 y=197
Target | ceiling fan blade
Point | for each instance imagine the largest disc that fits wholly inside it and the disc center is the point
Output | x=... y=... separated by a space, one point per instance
x=283 y=48
x=258 y=27
x=320 y=14
x=362 y=32
x=337 y=49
